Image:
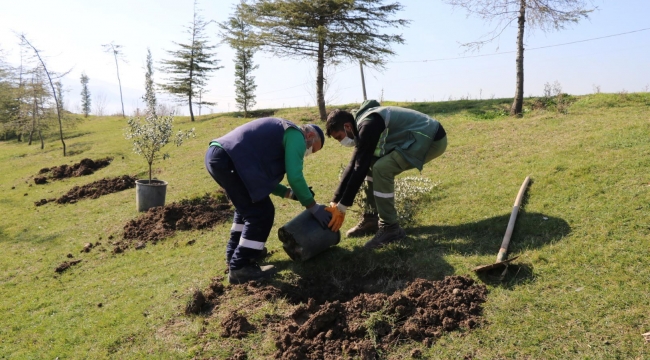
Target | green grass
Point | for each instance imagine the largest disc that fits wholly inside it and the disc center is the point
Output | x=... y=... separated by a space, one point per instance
x=580 y=290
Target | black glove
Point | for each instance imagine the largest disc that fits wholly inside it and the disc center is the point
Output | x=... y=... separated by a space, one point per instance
x=318 y=212
x=294 y=197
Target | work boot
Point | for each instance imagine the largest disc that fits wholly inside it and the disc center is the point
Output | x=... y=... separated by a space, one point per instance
x=251 y=272
x=263 y=254
x=386 y=235
x=368 y=225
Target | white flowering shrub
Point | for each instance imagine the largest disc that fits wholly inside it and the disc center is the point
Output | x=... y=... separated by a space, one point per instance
x=408 y=194
x=409 y=191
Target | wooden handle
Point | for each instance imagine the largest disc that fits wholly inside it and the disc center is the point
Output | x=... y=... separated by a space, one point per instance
x=503 y=252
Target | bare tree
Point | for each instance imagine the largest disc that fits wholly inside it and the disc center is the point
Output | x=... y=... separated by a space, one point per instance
x=116 y=50
x=25 y=42
x=328 y=81
x=100 y=104
x=545 y=15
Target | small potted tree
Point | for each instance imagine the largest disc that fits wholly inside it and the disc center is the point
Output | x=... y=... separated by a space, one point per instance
x=149 y=136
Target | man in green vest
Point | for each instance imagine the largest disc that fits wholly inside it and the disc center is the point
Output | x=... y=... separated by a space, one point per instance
x=387 y=141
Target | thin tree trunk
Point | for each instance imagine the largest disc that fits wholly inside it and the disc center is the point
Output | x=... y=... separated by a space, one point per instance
x=119 y=82
x=363 y=81
x=518 y=103
x=40 y=135
x=56 y=100
x=245 y=83
x=320 y=96
x=191 y=112
x=31 y=132
x=150 y=173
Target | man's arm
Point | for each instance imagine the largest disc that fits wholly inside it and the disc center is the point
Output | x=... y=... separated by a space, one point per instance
x=294 y=153
x=354 y=175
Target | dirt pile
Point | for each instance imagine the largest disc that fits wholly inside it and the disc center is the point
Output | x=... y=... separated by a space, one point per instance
x=237 y=326
x=163 y=221
x=371 y=323
x=66 y=265
x=362 y=327
x=84 y=167
x=93 y=190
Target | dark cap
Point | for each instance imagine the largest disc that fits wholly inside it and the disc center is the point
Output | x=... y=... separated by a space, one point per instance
x=320 y=133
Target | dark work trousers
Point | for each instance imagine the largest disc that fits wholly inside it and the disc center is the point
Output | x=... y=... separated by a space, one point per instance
x=252 y=222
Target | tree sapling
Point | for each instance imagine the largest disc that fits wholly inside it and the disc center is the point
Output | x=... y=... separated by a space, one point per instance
x=151 y=134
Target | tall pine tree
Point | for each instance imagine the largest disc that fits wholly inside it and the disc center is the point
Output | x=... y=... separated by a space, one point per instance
x=238 y=34
x=328 y=32
x=191 y=65
x=85 y=95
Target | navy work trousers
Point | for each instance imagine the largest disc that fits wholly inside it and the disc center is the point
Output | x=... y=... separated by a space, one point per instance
x=253 y=220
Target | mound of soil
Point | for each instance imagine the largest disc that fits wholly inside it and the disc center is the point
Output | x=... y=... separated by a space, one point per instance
x=239 y=354
x=66 y=265
x=236 y=326
x=362 y=327
x=93 y=190
x=163 y=221
x=371 y=323
x=84 y=167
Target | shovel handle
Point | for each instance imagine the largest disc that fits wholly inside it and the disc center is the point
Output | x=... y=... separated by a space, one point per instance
x=503 y=252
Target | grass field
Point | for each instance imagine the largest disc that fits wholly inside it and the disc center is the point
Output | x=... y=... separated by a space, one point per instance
x=581 y=289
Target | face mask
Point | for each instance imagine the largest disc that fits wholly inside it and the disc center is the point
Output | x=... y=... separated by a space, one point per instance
x=347 y=142
x=308 y=151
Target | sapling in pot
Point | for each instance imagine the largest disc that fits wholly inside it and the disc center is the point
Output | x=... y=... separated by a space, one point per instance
x=149 y=135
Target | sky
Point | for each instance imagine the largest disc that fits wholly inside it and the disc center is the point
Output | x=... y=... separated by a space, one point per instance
x=609 y=52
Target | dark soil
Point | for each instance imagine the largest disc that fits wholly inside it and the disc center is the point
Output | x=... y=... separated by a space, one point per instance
x=239 y=354
x=163 y=221
x=66 y=265
x=93 y=190
x=369 y=324
x=339 y=284
x=364 y=326
x=237 y=326
x=196 y=304
x=84 y=167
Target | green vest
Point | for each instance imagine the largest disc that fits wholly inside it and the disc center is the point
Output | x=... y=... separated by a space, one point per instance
x=408 y=132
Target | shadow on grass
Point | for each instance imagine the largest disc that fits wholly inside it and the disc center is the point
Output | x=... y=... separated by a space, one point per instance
x=343 y=273
x=508 y=277
x=28 y=236
x=532 y=230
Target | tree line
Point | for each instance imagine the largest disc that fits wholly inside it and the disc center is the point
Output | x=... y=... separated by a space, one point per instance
x=327 y=32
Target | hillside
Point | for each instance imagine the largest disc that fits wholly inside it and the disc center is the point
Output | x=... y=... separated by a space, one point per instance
x=578 y=290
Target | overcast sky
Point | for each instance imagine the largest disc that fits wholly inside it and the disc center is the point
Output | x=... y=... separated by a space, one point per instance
x=427 y=68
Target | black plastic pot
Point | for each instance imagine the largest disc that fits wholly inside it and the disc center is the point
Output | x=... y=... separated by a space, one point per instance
x=303 y=237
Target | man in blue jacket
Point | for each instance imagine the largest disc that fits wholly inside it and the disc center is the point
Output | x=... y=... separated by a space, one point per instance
x=248 y=163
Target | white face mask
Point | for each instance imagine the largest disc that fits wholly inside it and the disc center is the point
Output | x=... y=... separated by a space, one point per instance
x=308 y=151
x=347 y=142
